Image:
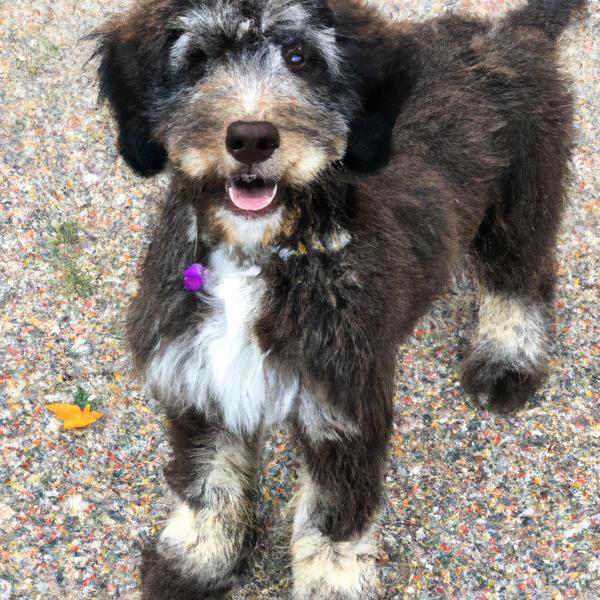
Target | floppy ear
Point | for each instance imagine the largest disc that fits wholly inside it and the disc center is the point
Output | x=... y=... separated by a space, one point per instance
x=385 y=77
x=129 y=71
x=384 y=64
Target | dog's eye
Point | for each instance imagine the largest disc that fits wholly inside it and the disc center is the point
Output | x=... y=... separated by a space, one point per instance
x=196 y=57
x=295 y=58
x=196 y=62
x=173 y=35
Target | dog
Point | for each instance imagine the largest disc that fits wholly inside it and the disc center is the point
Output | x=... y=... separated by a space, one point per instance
x=329 y=173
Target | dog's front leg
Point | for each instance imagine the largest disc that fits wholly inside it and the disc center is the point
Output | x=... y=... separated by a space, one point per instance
x=203 y=546
x=333 y=543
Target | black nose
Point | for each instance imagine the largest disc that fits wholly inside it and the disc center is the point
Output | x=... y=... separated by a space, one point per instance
x=252 y=142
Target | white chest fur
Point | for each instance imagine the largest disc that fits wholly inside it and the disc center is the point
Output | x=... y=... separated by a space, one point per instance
x=218 y=364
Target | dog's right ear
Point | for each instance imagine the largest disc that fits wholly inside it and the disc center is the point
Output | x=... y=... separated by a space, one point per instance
x=128 y=72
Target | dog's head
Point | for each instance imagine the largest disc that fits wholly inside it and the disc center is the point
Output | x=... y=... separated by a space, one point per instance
x=247 y=97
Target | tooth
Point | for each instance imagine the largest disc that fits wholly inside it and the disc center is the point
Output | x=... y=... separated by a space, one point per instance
x=274 y=193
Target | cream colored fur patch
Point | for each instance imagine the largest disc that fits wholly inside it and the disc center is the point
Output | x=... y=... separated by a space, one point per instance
x=512 y=329
x=323 y=568
x=206 y=542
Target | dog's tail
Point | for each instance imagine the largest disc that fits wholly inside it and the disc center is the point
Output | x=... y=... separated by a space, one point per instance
x=551 y=16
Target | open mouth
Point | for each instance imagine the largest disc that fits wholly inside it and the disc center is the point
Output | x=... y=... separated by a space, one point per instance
x=253 y=197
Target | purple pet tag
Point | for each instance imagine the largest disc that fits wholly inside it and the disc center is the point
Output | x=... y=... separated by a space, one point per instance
x=194 y=277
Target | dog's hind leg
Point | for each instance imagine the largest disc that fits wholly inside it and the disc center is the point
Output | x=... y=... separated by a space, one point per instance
x=507 y=361
x=514 y=258
x=514 y=250
x=205 y=542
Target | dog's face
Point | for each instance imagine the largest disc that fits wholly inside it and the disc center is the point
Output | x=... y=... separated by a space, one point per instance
x=248 y=97
x=251 y=100
x=256 y=93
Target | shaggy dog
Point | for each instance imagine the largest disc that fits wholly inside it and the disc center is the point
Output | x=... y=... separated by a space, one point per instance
x=329 y=173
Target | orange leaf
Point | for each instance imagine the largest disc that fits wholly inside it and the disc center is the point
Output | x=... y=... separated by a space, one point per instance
x=63 y=411
x=72 y=416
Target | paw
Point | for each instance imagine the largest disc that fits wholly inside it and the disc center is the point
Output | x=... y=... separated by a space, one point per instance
x=503 y=388
x=327 y=570
x=507 y=361
x=199 y=554
x=328 y=593
x=162 y=580
x=322 y=590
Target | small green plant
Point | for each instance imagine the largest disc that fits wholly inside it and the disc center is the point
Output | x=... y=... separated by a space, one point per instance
x=81 y=397
x=47 y=51
x=52 y=50
x=77 y=281
x=66 y=233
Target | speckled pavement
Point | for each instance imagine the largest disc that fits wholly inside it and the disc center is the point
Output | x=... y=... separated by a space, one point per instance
x=478 y=506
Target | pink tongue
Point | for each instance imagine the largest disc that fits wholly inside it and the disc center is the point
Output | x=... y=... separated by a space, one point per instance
x=252 y=199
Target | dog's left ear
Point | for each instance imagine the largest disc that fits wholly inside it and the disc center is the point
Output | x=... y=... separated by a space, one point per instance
x=385 y=75
x=384 y=66
x=129 y=70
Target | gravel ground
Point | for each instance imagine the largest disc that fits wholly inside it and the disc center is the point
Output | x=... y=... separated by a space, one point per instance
x=478 y=506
